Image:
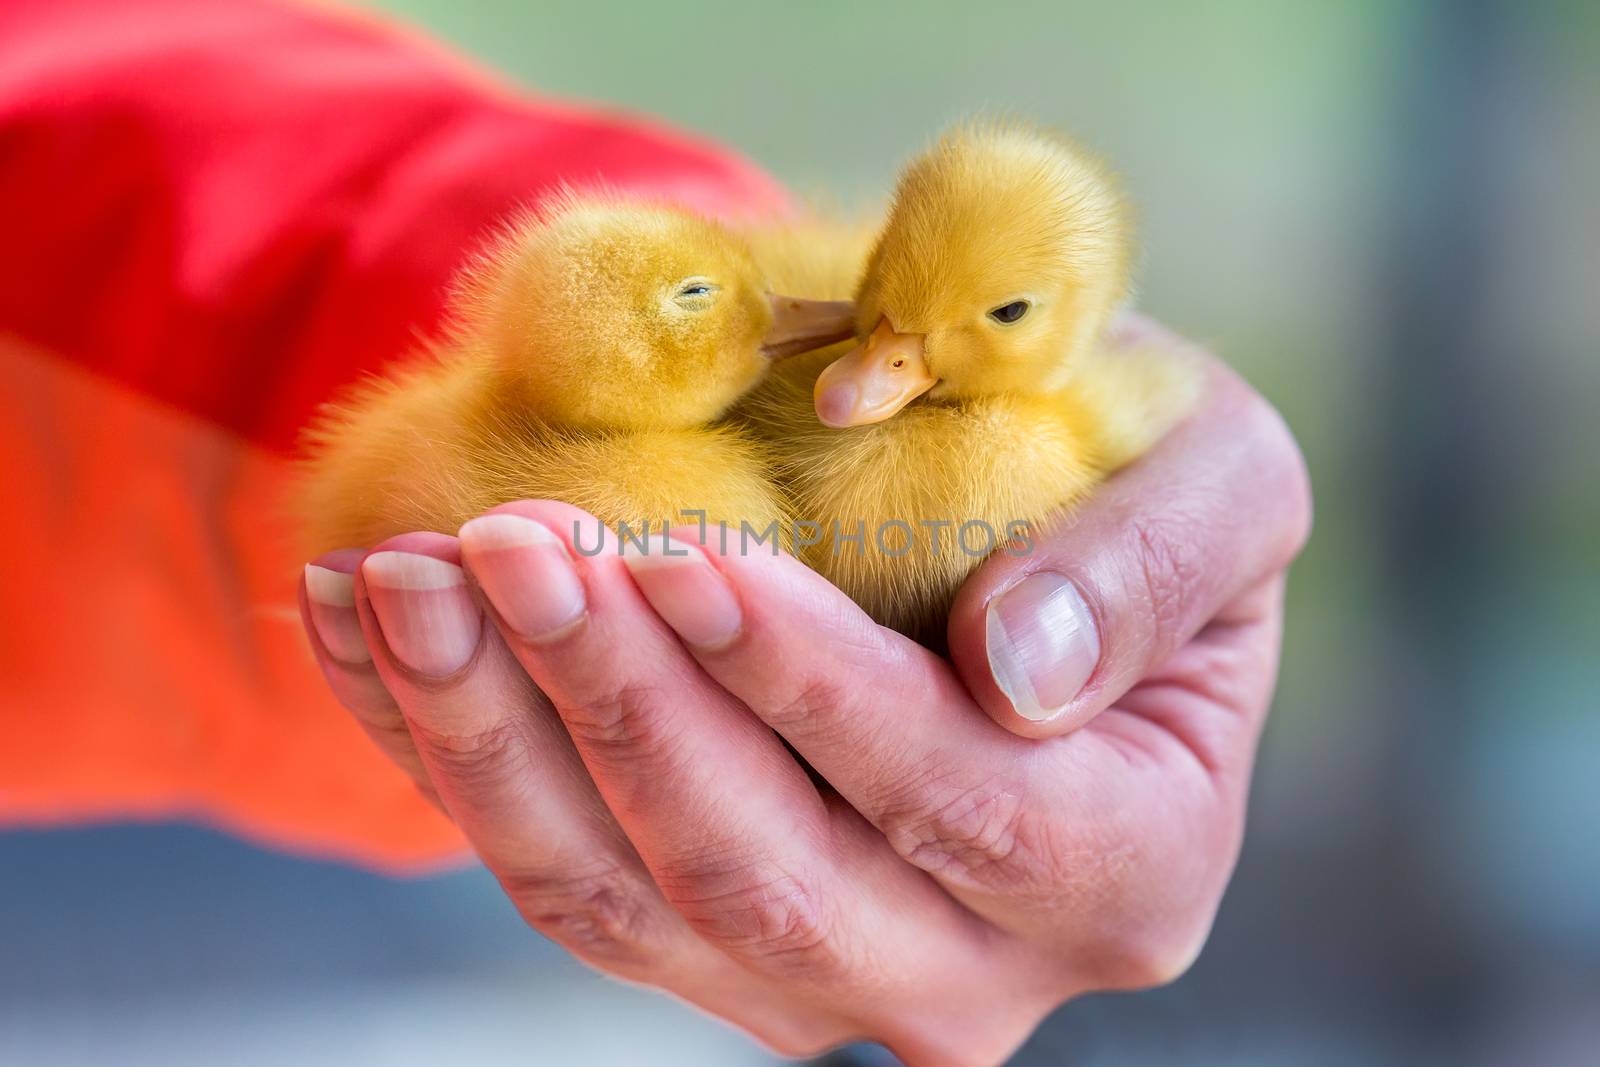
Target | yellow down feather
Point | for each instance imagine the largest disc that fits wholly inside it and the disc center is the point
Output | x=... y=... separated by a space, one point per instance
x=585 y=365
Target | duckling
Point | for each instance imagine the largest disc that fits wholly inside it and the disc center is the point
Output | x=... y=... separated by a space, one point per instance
x=593 y=352
x=979 y=405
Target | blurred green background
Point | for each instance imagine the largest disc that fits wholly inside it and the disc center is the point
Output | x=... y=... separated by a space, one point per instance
x=1386 y=215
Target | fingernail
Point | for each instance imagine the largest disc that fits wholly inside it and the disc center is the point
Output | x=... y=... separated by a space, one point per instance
x=1042 y=644
x=526 y=573
x=428 y=618
x=687 y=592
x=331 y=597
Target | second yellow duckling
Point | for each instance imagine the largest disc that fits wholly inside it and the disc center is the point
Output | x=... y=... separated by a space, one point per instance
x=980 y=403
x=595 y=348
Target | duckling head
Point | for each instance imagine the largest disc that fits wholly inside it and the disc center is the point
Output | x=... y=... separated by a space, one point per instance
x=1003 y=257
x=609 y=315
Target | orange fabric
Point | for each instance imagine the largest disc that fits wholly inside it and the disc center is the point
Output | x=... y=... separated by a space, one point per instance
x=154 y=652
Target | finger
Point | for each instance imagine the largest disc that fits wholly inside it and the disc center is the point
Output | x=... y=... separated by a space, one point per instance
x=1048 y=638
x=1104 y=849
x=328 y=610
x=511 y=778
x=735 y=834
x=884 y=720
x=1107 y=847
x=502 y=764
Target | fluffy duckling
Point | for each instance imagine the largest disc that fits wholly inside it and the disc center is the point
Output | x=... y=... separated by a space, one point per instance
x=594 y=350
x=979 y=404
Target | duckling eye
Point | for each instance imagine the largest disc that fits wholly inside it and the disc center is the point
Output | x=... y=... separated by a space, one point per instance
x=696 y=289
x=1009 y=313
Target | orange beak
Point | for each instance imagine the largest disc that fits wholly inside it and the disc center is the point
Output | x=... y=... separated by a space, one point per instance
x=874 y=380
x=801 y=325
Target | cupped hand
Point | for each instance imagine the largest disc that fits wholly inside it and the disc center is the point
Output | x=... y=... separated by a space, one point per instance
x=615 y=730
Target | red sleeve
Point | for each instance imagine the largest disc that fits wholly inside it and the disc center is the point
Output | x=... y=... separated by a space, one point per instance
x=232 y=206
x=211 y=215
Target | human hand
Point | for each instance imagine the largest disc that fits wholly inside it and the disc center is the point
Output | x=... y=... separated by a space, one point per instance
x=963 y=880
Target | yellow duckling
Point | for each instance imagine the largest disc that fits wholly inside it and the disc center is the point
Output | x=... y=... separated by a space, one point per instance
x=980 y=404
x=593 y=351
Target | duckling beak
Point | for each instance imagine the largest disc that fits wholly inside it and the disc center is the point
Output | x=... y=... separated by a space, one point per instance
x=801 y=325
x=873 y=381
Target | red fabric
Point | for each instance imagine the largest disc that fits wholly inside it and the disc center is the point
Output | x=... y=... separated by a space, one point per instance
x=233 y=206
x=212 y=215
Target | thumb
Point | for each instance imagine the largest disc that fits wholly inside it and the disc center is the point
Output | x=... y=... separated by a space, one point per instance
x=1048 y=639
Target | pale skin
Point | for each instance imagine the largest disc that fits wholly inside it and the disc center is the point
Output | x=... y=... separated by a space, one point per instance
x=615 y=760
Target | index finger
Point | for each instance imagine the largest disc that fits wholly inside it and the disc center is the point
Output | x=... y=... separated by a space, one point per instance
x=885 y=721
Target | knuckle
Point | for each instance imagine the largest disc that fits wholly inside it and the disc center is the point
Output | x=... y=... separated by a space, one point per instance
x=814 y=698
x=799 y=1044
x=485 y=755
x=1285 y=472
x=600 y=913
x=618 y=722
x=772 y=917
x=1168 y=573
x=1148 y=962
x=978 y=832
